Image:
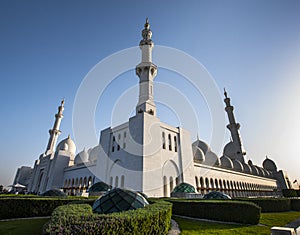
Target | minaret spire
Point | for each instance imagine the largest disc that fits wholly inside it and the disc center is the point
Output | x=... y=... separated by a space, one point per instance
x=55 y=132
x=234 y=127
x=146 y=71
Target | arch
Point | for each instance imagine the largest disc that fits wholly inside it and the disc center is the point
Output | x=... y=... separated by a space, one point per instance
x=216 y=184
x=197 y=182
x=170 y=169
x=165 y=186
x=122 y=181
x=116 y=182
x=207 y=183
x=111 y=181
x=171 y=184
x=212 y=183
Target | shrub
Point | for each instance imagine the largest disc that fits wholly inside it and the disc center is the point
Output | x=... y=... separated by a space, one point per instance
x=271 y=204
x=79 y=219
x=21 y=207
x=295 y=204
x=221 y=210
x=289 y=193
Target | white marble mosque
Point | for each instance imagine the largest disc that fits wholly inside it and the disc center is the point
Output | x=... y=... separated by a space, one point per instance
x=150 y=156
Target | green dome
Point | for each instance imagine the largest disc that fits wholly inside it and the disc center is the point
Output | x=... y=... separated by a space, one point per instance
x=54 y=193
x=117 y=200
x=216 y=195
x=99 y=187
x=184 y=188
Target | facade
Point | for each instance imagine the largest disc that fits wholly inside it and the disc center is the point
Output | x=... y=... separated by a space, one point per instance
x=147 y=155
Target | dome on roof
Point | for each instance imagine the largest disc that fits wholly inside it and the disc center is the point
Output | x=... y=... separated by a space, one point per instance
x=202 y=145
x=117 y=200
x=216 y=195
x=68 y=145
x=226 y=162
x=269 y=165
x=198 y=154
x=261 y=171
x=212 y=159
x=254 y=169
x=81 y=157
x=184 y=188
x=229 y=150
x=237 y=165
x=247 y=168
x=93 y=154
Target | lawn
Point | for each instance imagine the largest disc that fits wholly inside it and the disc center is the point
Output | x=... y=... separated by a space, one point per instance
x=267 y=220
x=22 y=227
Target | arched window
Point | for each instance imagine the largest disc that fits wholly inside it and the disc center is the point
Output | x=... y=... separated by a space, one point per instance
x=111 y=181
x=122 y=181
x=207 y=183
x=175 y=143
x=197 y=182
x=163 y=140
x=170 y=142
x=117 y=181
x=201 y=182
x=165 y=186
x=171 y=184
x=212 y=183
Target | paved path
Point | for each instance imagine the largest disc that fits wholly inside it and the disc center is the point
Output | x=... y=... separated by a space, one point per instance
x=293 y=224
x=174 y=228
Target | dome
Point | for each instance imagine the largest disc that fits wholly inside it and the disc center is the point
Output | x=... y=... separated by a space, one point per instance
x=261 y=171
x=93 y=154
x=212 y=159
x=117 y=200
x=216 y=195
x=54 y=193
x=269 y=165
x=229 y=150
x=202 y=145
x=184 y=188
x=237 y=165
x=81 y=157
x=247 y=168
x=99 y=187
x=198 y=154
x=254 y=169
x=68 y=145
x=226 y=162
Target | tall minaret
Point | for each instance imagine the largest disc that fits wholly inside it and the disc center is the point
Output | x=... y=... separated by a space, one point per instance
x=146 y=71
x=55 y=132
x=234 y=130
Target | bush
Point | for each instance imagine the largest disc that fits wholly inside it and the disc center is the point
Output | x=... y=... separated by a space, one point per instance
x=221 y=210
x=271 y=204
x=21 y=207
x=289 y=193
x=79 y=219
x=295 y=204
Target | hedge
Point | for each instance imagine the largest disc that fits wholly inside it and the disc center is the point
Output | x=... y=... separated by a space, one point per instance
x=289 y=193
x=79 y=219
x=21 y=207
x=295 y=204
x=220 y=210
x=270 y=204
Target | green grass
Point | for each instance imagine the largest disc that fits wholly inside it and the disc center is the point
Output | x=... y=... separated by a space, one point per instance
x=195 y=227
x=22 y=227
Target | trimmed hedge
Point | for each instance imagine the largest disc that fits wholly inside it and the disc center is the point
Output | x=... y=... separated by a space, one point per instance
x=270 y=204
x=220 y=210
x=289 y=193
x=295 y=204
x=21 y=207
x=79 y=219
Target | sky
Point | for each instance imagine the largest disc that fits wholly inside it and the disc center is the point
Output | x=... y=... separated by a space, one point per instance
x=252 y=48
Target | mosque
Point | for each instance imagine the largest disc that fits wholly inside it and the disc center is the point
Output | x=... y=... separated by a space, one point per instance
x=150 y=156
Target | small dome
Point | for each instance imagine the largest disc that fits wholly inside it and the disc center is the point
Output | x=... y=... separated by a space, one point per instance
x=237 y=165
x=81 y=157
x=202 y=145
x=229 y=150
x=117 y=200
x=226 y=162
x=198 y=154
x=68 y=145
x=216 y=195
x=247 y=168
x=53 y=193
x=93 y=154
x=269 y=165
x=212 y=159
x=184 y=188
x=99 y=187
x=254 y=169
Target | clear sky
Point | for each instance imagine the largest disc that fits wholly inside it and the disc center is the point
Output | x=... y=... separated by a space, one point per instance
x=250 y=47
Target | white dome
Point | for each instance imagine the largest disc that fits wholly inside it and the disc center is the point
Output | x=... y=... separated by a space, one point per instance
x=212 y=159
x=93 y=154
x=68 y=145
x=81 y=157
x=237 y=165
x=229 y=150
x=226 y=162
x=198 y=154
x=202 y=145
x=269 y=165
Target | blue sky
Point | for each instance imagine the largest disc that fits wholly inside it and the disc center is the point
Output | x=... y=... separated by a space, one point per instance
x=250 y=47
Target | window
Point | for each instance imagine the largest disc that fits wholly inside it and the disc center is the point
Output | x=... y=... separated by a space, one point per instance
x=125 y=134
x=116 y=181
x=170 y=143
x=163 y=140
x=122 y=181
x=119 y=136
x=118 y=148
x=175 y=143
